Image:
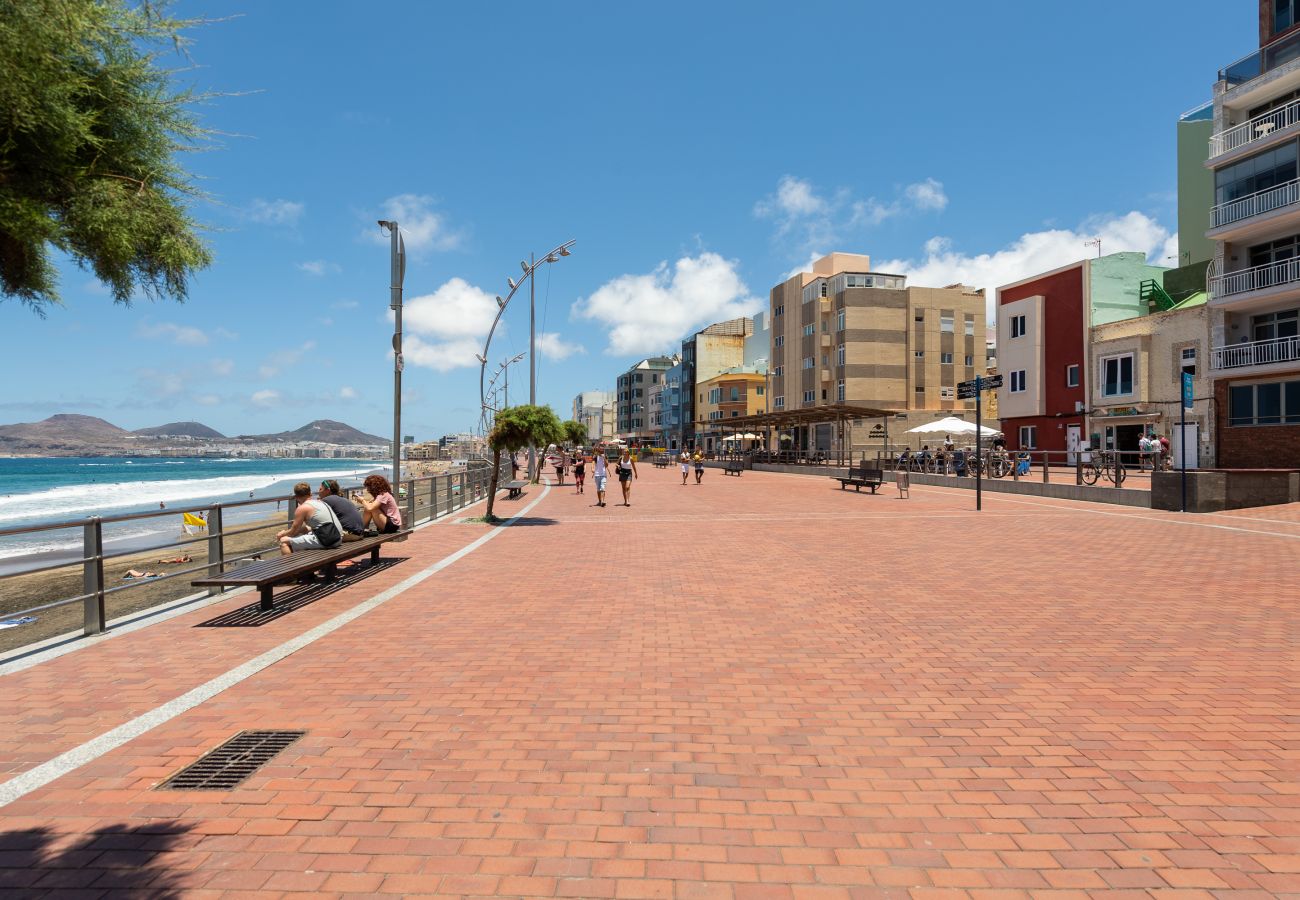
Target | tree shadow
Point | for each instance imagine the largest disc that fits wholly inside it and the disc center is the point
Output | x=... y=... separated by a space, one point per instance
x=533 y=520
x=116 y=860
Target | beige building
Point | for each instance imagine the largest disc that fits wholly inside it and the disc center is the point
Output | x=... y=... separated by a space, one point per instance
x=731 y=394
x=1136 y=370
x=845 y=334
x=595 y=410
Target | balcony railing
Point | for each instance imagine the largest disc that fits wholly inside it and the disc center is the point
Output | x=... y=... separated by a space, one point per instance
x=1256 y=278
x=1264 y=60
x=1256 y=129
x=1256 y=353
x=1255 y=204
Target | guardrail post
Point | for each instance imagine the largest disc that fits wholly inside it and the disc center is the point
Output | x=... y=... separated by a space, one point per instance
x=92 y=576
x=1047 y=461
x=410 y=504
x=1078 y=467
x=464 y=488
x=216 y=548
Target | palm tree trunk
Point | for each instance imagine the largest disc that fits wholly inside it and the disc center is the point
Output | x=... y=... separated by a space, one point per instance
x=492 y=487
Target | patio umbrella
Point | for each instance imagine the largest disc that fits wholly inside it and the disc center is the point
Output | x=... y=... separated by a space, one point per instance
x=953 y=425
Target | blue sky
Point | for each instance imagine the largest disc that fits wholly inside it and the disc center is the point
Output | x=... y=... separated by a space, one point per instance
x=697 y=153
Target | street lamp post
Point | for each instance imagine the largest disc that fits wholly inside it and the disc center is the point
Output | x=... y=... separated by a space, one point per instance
x=530 y=270
x=397 y=274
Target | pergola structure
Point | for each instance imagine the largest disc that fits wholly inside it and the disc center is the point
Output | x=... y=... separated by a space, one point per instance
x=836 y=414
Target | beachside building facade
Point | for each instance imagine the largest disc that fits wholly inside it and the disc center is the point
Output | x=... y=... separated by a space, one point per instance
x=711 y=350
x=595 y=410
x=1254 y=303
x=843 y=333
x=1043 y=337
x=632 y=398
x=739 y=391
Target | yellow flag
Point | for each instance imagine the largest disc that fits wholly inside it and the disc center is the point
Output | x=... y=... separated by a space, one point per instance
x=191 y=519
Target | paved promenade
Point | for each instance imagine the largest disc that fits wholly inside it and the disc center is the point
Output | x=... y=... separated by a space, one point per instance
x=757 y=687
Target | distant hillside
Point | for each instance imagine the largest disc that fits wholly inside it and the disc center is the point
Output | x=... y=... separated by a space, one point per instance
x=181 y=429
x=62 y=432
x=326 y=431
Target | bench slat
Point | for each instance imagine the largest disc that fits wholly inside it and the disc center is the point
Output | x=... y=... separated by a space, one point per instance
x=282 y=568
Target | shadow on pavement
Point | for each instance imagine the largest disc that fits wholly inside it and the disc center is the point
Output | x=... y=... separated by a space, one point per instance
x=533 y=520
x=117 y=860
x=288 y=599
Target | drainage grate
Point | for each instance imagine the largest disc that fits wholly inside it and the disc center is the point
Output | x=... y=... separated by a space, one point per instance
x=227 y=766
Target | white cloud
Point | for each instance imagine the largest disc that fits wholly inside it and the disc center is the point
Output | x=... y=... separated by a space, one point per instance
x=177 y=334
x=1030 y=254
x=347 y=393
x=821 y=220
x=422 y=227
x=275 y=212
x=650 y=313
x=445 y=329
x=319 y=267
x=442 y=356
x=222 y=367
x=284 y=359
x=265 y=398
x=552 y=346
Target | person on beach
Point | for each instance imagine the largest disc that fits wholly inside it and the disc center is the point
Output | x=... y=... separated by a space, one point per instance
x=698 y=458
x=347 y=511
x=600 y=472
x=579 y=469
x=314 y=525
x=626 y=472
x=380 y=513
x=685 y=462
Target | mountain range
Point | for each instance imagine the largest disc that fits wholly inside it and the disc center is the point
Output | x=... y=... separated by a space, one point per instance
x=68 y=434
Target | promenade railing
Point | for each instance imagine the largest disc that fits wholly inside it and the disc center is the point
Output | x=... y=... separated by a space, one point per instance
x=1105 y=468
x=423 y=499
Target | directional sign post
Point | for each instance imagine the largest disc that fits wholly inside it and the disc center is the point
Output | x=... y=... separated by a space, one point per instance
x=974 y=390
x=1189 y=396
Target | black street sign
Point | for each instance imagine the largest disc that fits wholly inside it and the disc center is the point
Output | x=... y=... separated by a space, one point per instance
x=967 y=390
x=966 y=393
x=992 y=381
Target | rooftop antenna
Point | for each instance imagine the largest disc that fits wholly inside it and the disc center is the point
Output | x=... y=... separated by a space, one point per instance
x=1097 y=241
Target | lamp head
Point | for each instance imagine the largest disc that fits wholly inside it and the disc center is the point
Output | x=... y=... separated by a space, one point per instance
x=386 y=225
x=511 y=282
x=500 y=302
x=564 y=251
x=523 y=265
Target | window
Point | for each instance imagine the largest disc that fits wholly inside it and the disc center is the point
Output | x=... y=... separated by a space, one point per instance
x=947 y=393
x=778 y=403
x=654 y=379
x=970 y=325
x=1017 y=326
x=1018 y=381
x=779 y=311
x=945 y=324
x=735 y=413
x=823 y=393
x=1188 y=359
x=715 y=395
x=807 y=362
x=945 y=359
x=839 y=321
x=735 y=394
x=1275 y=325
x=639 y=378
x=839 y=391
x=920 y=389
x=839 y=355
x=970 y=360
x=809 y=330
x=1271 y=403
x=1284 y=14
x=808 y=396
x=920 y=316
x=779 y=371
x=758 y=391
x=815 y=290
x=1258 y=173
x=1117 y=376
x=1028 y=437
x=1072 y=376
x=918 y=354
x=780 y=340
x=826 y=359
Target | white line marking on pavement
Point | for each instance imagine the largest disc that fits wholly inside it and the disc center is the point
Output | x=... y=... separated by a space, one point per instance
x=38 y=777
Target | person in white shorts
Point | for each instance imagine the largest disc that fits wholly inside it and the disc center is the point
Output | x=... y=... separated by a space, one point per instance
x=685 y=461
x=314 y=527
x=600 y=474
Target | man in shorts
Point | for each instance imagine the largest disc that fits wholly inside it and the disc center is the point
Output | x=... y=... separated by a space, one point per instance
x=600 y=474
x=685 y=461
x=699 y=465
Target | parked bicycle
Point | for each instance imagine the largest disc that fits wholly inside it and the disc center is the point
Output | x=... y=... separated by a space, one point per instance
x=1110 y=467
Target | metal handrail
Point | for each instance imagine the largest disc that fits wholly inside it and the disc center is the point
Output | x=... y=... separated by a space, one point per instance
x=1256 y=278
x=1249 y=132
x=1255 y=353
x=1255 y=204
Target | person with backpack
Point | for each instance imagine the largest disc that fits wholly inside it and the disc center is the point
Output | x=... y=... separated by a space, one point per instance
x=314 y=526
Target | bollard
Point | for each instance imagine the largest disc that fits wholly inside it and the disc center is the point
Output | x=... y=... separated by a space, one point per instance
x=216 y=548
x=1078 y=468
x=92 y=577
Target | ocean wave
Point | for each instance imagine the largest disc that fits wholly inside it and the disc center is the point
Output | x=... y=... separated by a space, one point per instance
x=74 y=501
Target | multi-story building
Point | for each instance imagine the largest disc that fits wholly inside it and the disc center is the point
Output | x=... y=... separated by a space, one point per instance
x=1254 y=304
x=671 y=431
x=714 y=349
x=1043 y=335
x=730 y=394
x=632 y=399
x=845 y=334
x=1138 y=366
x=595 y=410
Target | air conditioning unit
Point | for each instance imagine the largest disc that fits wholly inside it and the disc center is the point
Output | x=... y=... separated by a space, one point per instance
x=1078 y=406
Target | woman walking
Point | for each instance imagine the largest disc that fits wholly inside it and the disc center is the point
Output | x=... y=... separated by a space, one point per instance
x=579 y=468
x=626 y=472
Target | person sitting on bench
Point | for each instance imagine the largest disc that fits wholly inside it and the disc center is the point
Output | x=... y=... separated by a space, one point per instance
x=314 y=526
x=347 y=511
x=380 y=512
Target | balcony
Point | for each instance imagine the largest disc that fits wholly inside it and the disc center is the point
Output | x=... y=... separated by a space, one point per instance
x=1252 y=205
x=826 y=341
x=1275 y=278
x=1257 y=130
x=1256 y=353
x=1261 y=62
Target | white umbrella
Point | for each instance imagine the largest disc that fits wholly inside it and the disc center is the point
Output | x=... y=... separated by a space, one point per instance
x=953 y=425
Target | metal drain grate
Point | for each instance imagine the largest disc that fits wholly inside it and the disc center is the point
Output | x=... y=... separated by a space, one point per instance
x=227 y=766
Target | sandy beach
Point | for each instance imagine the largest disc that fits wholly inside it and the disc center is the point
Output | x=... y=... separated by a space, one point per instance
x=26 y=591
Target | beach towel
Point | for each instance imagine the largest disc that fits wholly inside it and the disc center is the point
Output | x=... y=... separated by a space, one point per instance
x=14 y=623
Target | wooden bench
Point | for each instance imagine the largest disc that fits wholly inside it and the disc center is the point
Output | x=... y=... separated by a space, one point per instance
x=860 y=477
x=266 y=574
x=516 y=489
x=733 y=467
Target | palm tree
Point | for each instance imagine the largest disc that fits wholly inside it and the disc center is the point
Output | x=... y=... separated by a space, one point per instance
x=518 y=427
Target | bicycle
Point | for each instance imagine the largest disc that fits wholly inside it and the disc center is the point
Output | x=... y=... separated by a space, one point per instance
x=1111 y=467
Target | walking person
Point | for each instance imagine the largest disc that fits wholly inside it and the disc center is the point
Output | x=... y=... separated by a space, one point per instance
x=600 y=473
x=698 y=459
x=1166 y=458
x=1144 y=452
x=626 y=472
x=579 y=469
x=685 y=461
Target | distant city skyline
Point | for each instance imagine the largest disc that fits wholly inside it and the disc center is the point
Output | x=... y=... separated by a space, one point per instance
x=694 y=162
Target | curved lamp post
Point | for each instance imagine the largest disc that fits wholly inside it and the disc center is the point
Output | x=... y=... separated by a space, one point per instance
x=530 y=268
x=491 y=389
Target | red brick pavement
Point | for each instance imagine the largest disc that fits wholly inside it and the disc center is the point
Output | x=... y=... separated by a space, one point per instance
x=757 y=687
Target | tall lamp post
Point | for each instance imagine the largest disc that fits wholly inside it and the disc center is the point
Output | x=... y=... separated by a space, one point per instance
x=530 y=270
x=504 y=368
x=397 y=275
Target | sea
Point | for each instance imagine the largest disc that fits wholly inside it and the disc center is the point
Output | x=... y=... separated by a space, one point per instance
x=38 y=491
